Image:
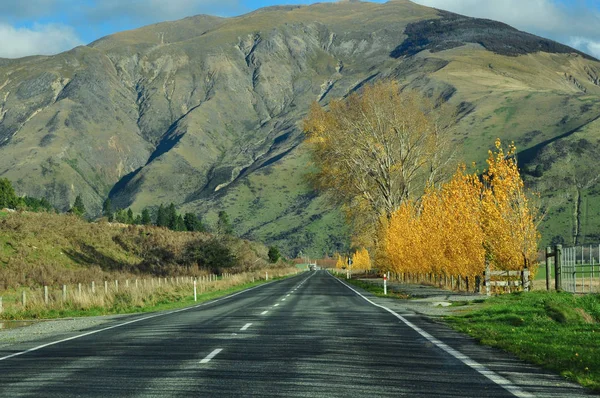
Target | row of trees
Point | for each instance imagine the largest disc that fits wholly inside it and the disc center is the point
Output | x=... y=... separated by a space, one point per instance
x=9 y=199
x=384 y=155
x=465 y=223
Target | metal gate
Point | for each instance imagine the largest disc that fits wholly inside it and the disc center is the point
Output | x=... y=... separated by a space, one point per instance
x=580 y=269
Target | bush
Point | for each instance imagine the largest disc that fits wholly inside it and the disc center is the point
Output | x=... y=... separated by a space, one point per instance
x=213 y=255
x=274 y=254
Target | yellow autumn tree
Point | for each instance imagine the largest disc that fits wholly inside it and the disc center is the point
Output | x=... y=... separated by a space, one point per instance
x=456 y=227
x=509 y=221
x=361 y=261
x=341 y=262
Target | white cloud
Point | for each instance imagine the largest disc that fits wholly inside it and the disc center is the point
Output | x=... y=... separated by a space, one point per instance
x=591 y=47
x=547 y=18
x=39 y=40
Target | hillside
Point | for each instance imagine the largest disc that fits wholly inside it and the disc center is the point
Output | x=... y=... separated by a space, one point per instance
x=206 y=112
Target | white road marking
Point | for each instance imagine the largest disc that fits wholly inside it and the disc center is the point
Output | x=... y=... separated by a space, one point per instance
x=264 y=312
x=246 y=326
x=493 y=376
x=275 y=305
x=287 y=295
x=282 y=299
x=16 y=354
x=211 y=355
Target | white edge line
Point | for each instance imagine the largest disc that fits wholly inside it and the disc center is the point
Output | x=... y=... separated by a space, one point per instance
x=493 y=376
x=246 y=326
x=211 y=355
x=16 y=354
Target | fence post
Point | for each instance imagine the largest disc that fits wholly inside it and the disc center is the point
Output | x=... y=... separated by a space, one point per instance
x=93 y=287
x=79 y=289
x=195 y=291
x=105 y=287
x=548 y=255
x=557 y=266
x=117 y=285
x=127 y=283
x=1 y=309
x=136 y=283
x=487 y=275
x=525 y=280
x=24 y=298
x=266 y=276
x=64 y=293
x=46 y=295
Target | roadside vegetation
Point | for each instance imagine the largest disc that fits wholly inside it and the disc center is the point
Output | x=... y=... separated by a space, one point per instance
x=558 y=331
x=149 y=295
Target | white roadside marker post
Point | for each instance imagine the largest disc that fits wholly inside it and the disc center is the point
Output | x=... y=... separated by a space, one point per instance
x=385 y=284
x=195 y=291
x=266 y=276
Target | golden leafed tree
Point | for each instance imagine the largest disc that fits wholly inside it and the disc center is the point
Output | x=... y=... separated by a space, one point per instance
x=376 y=149
x=361 y=260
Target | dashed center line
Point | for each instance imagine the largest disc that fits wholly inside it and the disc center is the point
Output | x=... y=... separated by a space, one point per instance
x=246 y=326
x=211 y=355
x=264 y=312
x=275 y=305
x=282 y=299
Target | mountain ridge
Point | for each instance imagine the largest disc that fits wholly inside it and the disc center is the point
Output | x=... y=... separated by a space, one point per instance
x=206 y=111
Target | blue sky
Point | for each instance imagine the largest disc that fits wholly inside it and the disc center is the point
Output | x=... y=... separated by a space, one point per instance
x=30 y=27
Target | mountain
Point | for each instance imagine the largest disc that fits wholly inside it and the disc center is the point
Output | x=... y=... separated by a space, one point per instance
x=206 y=112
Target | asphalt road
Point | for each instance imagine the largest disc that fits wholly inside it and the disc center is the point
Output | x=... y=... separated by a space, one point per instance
x=305 y=336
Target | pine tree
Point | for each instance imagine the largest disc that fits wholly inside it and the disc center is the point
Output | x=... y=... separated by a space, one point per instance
x=107 y=210
x=224 y=226
x=161 y=217
x=7 y=194
x=193 y=223
x=146 y=220
x=78 y=207
x=179 y=223
x=130 y=218
x=171 y=217
x=137 y=220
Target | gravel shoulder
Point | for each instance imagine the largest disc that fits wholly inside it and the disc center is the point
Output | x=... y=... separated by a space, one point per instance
x=55 y=329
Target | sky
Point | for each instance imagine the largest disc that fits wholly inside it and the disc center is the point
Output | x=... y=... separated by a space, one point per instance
x=33 y=27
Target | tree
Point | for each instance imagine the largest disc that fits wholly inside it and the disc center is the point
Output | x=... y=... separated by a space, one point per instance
x=161 y=217
x=376 y=150
x=121 y=216
x=224 y=226
x=107 y=210
x=146 y=220
x=130 y=219
x=193 y=223
x=78 y=207
x=8 y=198
x=361 y=260
x=179 y=224
x=171 y=217
x=274 y=254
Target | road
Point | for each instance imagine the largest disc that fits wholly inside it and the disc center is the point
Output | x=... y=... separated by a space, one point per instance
x=306 y=336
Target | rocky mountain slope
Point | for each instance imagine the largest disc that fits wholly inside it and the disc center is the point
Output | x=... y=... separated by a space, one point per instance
x=206 y=112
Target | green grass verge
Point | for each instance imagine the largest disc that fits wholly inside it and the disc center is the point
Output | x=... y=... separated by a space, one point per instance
x=558 y=331
x=159 y=301
x=376 y=289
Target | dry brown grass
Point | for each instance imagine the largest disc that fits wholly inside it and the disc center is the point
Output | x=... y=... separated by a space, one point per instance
x=124 y=295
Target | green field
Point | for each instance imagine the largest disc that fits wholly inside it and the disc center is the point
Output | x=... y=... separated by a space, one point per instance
x=558 y=331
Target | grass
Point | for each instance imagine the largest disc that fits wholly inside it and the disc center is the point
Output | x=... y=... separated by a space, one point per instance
x=146 y=298
x=558 y=331
x=376 y=289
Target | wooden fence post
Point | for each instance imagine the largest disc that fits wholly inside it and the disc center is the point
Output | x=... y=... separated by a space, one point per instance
x=525 y=280
x=548 y=255
x=1 y=309
x=79 y=289
x=93 y=287
x=557 y=266
x=46 y=295
x=64 y=293
x=105 y=287
x=24 y=298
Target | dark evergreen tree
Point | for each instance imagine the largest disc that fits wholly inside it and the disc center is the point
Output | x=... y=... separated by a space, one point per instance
x=161 y=217
x=107 y=210
x=193 y=223
x=274 y=254
x=180 y=223
x=137 y=220
x=78 y=207
x=224 y=226
x=8 y=198
x=146 y=220
x=171 y=217
x=130 y=219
